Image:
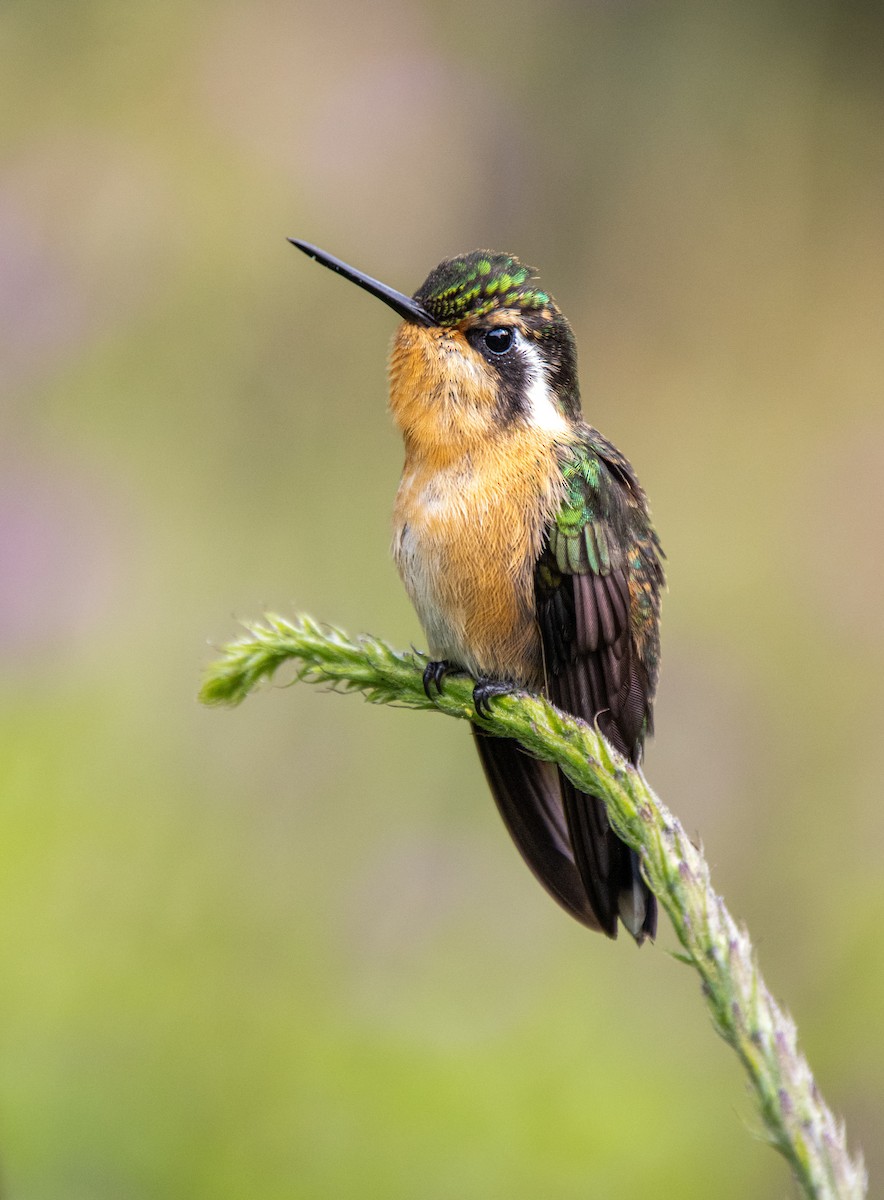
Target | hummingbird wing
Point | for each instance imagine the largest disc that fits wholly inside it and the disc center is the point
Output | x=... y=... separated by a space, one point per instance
x=598 y=584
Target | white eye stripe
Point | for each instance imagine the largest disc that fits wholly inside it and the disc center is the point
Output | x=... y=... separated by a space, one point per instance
x=543 y=411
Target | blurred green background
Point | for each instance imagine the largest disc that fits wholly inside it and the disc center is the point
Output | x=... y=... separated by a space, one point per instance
x=289 y=950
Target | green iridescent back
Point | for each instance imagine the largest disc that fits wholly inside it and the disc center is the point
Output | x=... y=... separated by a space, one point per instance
x=478 y=283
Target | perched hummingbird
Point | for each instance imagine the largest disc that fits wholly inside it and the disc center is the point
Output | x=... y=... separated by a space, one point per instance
x=524 y=541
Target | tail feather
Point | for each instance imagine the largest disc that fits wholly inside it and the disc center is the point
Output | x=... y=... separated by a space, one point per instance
x=527 y=794
x=566 y=839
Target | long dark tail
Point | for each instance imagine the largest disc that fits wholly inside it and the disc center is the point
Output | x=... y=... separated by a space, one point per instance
x=566 y=839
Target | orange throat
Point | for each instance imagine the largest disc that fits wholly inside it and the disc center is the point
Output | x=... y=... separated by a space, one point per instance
x=475 y=498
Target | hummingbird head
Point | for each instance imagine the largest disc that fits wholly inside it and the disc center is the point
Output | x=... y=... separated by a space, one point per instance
x=482 y=349
x=517 y=328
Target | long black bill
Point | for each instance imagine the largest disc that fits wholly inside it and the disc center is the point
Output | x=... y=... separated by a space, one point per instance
x=403 y=305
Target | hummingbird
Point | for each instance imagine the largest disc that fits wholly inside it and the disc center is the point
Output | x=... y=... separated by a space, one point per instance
x=524 y=541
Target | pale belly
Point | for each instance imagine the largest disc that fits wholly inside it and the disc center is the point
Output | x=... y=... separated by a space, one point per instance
x=468 y=566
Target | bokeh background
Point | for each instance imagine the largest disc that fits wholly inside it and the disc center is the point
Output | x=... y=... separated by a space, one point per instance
x=289 y=951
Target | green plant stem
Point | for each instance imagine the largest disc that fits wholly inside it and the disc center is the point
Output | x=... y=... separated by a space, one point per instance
x=798 y=1122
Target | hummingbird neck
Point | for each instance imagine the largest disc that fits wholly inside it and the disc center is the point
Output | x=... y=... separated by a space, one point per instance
x=449 y=404
x=441 y=395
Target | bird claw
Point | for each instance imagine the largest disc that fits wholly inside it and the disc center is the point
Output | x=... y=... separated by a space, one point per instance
x=434 y=674
x=487 y=690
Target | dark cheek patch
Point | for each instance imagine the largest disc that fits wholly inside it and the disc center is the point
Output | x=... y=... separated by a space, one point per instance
x=513 y=373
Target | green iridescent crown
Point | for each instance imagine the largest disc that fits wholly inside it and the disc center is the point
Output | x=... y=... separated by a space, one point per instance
x=477 y=283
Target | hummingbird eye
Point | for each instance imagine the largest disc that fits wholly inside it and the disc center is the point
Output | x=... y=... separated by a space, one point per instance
x=499 y=339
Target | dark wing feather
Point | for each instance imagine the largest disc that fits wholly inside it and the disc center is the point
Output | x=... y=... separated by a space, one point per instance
x=598 y=584
x=600 y=682
x=529 y=800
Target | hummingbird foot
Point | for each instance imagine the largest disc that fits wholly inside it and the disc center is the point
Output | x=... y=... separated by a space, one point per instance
x=485 y=691
x=434 y=674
